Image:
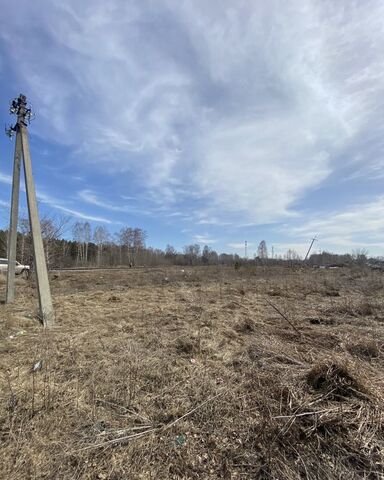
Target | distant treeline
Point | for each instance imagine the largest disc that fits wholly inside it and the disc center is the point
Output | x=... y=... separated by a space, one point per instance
x=98 y=248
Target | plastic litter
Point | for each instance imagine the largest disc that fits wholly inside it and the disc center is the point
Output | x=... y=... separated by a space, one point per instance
x=180 y=440
x=37 y=366
x=18 y=334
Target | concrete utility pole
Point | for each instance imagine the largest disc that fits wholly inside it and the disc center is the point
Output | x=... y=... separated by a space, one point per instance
x=12 y=232
x=310 y=247
x=24 y=115
x=245 y=250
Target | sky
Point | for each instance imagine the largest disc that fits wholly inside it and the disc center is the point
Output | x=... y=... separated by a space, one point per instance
x=210 y=122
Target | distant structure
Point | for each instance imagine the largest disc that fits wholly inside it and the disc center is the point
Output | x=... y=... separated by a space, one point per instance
x=310 y=247
x=245 y=250
x=24 y=115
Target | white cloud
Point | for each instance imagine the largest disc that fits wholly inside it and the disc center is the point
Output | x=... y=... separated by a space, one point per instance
x=54 y=203
x=204 y=239
x=58 y=205
x=240 y=245
x=5 y=179
x=73 y=212
x=90 y=197
x=82 y=215
x=359 y=225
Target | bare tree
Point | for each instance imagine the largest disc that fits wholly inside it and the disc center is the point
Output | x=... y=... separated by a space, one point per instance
x=52 y=229
x=82 y=234
x=360 y=255
x=205 y=255
x=213 y=257
x=126 y=240
x=292 y=256
x=170 y=251
x=100 y=237
x=132 y=240
x=3 y=243
x=139 y=237
x=78 y=236
x=191 y=253
x=87 y=238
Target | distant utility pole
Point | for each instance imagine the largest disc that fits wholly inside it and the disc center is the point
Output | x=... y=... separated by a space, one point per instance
x=245 y=250
x=24 y=115
x=310 y=247
x=273 y=252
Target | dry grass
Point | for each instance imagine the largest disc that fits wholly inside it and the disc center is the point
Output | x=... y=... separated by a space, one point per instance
x=166 y=374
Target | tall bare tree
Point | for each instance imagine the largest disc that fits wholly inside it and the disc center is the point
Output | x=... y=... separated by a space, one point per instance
x=78 y=236
x=360 y=255
x=139 y=237
x=126 y=237
x=87 y=238
x=82 y=234
x=191 y=253
x=100 y=237
x=132 y=241
x=170 y=251
x=205 y=255
x=52 y=229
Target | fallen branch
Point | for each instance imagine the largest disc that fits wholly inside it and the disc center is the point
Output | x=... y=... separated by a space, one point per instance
x=284 y=316
x=166 y=427
x=117 y=440
x=114 y=441
x=301 y=414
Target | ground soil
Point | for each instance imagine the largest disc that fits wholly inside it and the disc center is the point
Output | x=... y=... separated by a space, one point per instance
x=195 y=372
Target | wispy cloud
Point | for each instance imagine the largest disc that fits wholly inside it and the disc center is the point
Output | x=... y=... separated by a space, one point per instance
x=90 y=197
x=82 y=215
x=5 y=179
x=58 y=205
x=240 y=245
x=359 y=225
x=55 y=203
x=204 y=239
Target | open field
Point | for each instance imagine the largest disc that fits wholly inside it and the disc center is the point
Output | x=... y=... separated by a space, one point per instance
x=179 y=373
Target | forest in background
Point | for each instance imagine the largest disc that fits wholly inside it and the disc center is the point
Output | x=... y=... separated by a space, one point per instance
x=97 y=247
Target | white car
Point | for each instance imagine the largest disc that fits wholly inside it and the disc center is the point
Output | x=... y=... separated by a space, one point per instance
x=19 y=268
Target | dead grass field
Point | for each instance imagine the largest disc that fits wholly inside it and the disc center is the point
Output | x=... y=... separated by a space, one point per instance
x=171 y=374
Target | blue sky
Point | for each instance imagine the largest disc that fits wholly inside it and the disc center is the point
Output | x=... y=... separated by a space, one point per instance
x=203 y=121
